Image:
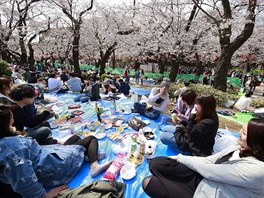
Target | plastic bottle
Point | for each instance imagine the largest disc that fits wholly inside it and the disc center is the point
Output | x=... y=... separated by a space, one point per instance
x=102 y=129
x=98 y=113
x=142 y=148
x=72 y=128
x=114 y=105
x=161 y=123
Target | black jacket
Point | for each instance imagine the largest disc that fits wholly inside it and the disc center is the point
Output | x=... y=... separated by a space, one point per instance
x=201 y=135
x=22 y=119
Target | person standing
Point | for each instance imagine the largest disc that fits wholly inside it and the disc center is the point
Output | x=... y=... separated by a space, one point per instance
x=142 y=76
x=137 y=76
x=126 y=74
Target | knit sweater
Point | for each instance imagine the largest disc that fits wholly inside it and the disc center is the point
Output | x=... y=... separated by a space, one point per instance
x=241 y=177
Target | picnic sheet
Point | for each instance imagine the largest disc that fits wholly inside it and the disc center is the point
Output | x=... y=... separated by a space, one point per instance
x=133 y=186
x=140 y=91
x=239 y=117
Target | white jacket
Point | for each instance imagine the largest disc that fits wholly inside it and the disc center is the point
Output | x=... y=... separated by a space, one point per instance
x=243 y=177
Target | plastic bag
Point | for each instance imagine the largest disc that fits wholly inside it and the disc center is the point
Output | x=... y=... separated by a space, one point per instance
x=223 y=139
x=136 y=124
x=114 y=168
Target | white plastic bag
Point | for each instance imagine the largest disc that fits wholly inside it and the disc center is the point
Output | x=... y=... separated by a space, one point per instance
x=223 y=139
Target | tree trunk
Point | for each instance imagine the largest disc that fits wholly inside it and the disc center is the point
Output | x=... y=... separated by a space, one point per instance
x=31 y=59
x=161 y=65
x=199 y=68
x=23 y=49
x=5 y=56
x=113 y=60
x=105 y=56
x=174 y=69
x=222 y=70
x=75 y=49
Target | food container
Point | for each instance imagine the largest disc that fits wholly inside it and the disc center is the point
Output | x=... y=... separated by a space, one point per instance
x=128 y=171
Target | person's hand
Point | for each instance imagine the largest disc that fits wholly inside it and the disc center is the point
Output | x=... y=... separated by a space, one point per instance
x=179 y=117
x=49 y=107
x=173 y=157
x=194 y=110
x=55 y=191
x=148 y=107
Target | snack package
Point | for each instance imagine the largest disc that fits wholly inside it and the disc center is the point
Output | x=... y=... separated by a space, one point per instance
x=114 y=168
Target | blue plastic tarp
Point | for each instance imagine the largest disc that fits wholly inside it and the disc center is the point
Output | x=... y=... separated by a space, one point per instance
x=133 y=186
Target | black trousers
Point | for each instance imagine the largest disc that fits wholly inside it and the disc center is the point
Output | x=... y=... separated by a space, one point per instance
x=89 y=143
x=171 y=179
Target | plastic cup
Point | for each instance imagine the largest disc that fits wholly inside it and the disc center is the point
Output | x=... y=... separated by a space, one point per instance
x=174 y=117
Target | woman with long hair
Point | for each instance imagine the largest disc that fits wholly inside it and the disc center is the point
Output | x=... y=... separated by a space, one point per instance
x=236 y=171
x=26 y=167
x=198 y=136
x=6 y=84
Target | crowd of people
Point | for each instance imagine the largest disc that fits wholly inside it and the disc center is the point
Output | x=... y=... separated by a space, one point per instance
x=31 y=159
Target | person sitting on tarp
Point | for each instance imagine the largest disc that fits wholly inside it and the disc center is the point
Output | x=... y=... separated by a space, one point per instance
x=108 y=85
x=237 y=170
x=36 y=125
x=55 y=85
x=6 y=85
x=90 y=92
x=74 y=83
x=123 y=87
x=26 y=167
x=243 y=103
x=179 y=91
x=197 y=136
x=156 y=103
x=182 y=111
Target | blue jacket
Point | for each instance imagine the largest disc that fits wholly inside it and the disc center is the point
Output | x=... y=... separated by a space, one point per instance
x=27 y=166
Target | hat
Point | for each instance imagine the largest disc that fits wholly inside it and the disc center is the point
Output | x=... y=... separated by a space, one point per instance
x=165 y=83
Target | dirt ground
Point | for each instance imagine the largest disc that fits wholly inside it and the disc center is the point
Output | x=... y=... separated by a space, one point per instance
x=233 y=126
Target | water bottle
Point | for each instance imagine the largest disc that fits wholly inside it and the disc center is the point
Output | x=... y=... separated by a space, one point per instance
x=98 y=113
x=72 y=128
x=102 y=128
x=161 y=123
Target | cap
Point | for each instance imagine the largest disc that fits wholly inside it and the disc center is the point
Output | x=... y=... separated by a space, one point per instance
x=165 y=83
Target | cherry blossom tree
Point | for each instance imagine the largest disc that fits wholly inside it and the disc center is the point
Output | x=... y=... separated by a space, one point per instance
x=223 y=15
x=74 y=10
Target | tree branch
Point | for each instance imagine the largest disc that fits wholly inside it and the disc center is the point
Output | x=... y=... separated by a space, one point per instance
x=248 y=28
x=206 y=13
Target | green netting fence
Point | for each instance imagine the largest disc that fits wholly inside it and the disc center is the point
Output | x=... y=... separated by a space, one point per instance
x=236 y=82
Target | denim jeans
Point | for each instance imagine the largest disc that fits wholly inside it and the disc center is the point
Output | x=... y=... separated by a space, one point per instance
x=168 y=139
x=169 y=128
x=151 y=114
x=82 y=98
x=41 y=134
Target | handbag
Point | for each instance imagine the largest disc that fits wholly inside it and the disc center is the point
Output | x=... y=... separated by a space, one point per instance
x=181 y=140
x=136 y=124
